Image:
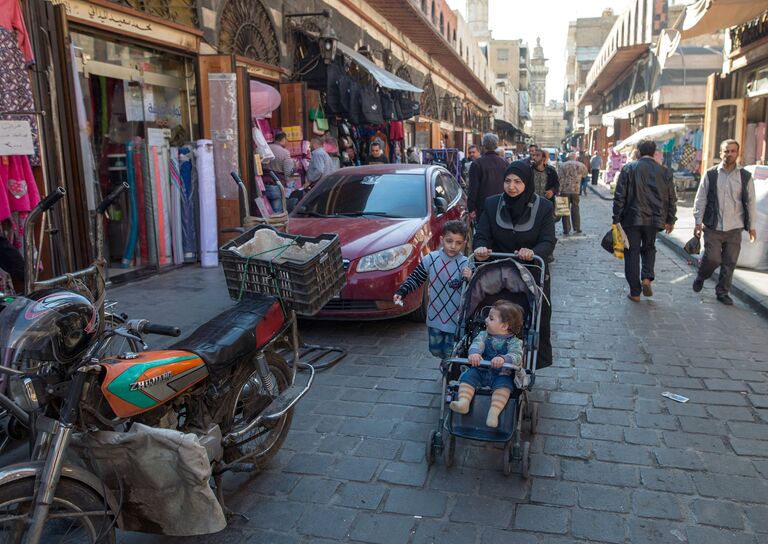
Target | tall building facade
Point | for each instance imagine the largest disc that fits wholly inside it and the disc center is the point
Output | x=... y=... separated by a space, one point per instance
x=508 y=64
x=585 y=38
x=539 y=71
x=548 y=124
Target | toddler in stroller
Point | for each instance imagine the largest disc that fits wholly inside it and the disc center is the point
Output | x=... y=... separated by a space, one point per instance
x=499 y=344
x=495 y=408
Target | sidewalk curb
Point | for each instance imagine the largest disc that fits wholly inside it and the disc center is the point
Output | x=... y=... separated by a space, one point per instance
x=744 y=293
x=599 y=193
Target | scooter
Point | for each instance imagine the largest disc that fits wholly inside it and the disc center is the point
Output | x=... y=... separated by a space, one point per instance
x=226 y=384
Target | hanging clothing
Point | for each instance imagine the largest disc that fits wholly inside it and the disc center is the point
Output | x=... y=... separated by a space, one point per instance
x=12 y=18
x=15 y=88
x=19 y=190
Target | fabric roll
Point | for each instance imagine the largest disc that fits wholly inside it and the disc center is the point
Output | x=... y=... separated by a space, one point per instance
x=165 y=173
x=133 y=214
x=175 y=176
x=188 y=204
x=142 y=257
x=150 y=200
x=209 y=256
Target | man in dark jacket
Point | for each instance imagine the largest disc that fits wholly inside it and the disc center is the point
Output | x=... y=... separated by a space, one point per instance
x=486 y=176
x=644 y=203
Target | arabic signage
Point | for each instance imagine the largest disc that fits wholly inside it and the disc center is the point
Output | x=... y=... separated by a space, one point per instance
x=16 y=138
x=106 y=17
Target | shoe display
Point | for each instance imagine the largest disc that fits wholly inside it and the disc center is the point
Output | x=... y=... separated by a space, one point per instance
x=725 y=299
x=698 y=285
x=647 y=289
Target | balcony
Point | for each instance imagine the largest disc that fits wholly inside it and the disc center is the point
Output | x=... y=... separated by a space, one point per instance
x=748 y=33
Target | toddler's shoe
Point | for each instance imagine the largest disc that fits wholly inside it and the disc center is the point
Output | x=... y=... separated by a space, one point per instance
x=492 y=420
x=460 y=406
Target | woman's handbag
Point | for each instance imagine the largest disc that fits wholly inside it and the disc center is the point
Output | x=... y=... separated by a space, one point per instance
x=319 y=120
x=562 y=206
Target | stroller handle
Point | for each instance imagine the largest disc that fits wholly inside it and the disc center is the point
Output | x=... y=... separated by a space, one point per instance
x=483 y=363
x=538 y=260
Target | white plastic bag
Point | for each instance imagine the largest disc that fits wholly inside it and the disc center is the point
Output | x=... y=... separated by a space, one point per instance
x=265 y=152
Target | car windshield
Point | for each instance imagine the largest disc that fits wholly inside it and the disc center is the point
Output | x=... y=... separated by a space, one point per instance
x=372 y=195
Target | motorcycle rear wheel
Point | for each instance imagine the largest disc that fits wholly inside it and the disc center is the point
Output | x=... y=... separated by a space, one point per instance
x=247 y=399
x=71 y=496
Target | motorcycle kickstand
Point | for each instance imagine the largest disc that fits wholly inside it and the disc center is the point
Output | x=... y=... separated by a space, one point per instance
x=228 y=513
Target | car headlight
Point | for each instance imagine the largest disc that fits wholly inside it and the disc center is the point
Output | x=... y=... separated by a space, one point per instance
x=385 y=260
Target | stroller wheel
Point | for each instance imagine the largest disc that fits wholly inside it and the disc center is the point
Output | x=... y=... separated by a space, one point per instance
x=534 y=417
x=508 y=456
x=526 y=460
x=450 y=451
x=431 y=447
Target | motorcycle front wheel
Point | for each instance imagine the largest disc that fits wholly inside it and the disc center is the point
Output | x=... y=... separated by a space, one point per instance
x=248 y=397
x=63 y=525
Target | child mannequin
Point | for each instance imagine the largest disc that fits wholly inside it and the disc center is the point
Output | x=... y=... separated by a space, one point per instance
x=499 y=344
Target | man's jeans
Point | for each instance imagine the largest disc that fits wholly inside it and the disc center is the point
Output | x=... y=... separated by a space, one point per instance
x=575 y=215
x=721 y=248
x=642 y=243
x=595 y=175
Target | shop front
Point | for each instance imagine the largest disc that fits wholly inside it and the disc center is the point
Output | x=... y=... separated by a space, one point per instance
x=134 y=92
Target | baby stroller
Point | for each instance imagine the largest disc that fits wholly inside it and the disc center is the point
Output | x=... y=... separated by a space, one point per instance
x=509 y=279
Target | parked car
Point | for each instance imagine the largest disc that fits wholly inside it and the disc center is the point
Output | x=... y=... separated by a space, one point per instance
x=387 y=217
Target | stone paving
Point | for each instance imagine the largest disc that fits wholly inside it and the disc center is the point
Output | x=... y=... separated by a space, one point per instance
x=614 y=461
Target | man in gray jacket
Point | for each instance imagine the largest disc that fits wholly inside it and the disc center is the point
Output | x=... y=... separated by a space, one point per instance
x=725 y=205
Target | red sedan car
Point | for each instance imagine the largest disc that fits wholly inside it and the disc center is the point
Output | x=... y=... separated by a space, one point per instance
x=387 y=217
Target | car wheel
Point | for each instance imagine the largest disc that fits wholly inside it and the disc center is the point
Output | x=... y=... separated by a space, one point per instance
x=420 y=314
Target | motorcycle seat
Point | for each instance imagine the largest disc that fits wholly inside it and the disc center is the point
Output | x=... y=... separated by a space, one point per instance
x=235 y=333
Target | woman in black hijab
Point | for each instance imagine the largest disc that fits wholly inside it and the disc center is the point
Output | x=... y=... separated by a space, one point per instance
x=520 y=220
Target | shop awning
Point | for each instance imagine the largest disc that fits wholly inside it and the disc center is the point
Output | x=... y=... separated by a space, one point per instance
x=658 y=133
x=709 y=16
x=407 y=18
x=622 y=113
x=382 y=77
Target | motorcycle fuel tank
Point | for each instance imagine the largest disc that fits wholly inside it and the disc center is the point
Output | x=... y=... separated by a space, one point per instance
x=151 y=378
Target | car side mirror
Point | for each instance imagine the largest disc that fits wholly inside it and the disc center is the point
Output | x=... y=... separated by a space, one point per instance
x=440 y=205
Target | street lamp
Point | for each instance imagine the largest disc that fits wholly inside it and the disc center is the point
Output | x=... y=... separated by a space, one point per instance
x=327 y=39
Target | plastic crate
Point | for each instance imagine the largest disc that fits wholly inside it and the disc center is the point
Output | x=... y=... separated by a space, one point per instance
x=305 y=287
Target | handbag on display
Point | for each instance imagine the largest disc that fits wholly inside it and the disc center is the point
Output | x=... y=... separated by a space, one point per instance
x=388 y=107
x=371 y=106
x=345 y=93
x=333 y=91
x=410 y=108
x=355 y=113
x=319 y=120
x=562 y=206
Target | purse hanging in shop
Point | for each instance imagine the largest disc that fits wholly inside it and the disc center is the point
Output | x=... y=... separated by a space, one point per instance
x=371 y=106
x=355 y=113
x=388 y=107
x=333 y=92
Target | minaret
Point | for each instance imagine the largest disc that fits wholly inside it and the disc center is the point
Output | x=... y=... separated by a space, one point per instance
x=477 y=18
x=538 y=74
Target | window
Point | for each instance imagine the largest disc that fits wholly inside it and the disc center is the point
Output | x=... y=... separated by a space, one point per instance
x=442 y=24
x=356 y=195
x=424 y=6
x=447 y=188
x=502 y=55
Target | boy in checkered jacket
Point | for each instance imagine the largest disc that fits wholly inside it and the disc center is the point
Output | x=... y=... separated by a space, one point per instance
x=445 y=269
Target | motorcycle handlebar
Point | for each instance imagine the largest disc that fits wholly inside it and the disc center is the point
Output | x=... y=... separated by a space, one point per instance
x=53 y=197
x=110 y=198
x=164 y=330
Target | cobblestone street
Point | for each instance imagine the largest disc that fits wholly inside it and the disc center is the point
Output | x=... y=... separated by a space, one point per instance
x=614 y=461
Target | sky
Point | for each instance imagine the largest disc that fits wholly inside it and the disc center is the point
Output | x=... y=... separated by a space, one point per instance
x=516 y=19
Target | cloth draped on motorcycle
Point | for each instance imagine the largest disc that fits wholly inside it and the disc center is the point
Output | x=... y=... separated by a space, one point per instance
x=164 y=475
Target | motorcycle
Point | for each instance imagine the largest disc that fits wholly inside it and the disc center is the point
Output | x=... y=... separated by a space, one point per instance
x=226 y=391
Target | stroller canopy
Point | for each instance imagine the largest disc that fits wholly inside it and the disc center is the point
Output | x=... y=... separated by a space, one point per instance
x=494 y=277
